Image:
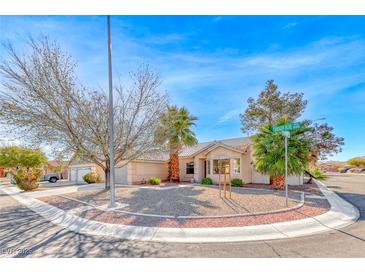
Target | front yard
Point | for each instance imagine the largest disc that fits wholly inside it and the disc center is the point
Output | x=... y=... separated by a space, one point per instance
x=192 y=206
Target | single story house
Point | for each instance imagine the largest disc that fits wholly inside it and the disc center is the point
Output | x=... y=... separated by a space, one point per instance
x=196 y=162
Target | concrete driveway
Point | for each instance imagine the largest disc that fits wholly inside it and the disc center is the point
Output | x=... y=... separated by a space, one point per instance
x=23 y=233
x=59 y=183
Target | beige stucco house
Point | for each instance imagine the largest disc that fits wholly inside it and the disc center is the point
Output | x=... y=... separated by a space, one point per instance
x=196 y=162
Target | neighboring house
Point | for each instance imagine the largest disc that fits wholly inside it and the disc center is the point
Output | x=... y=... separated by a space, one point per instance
x=196 y=162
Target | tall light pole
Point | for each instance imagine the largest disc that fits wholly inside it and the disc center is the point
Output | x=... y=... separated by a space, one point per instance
x=111 y=120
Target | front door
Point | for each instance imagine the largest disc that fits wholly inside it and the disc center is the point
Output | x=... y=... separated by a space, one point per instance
x=205 y=168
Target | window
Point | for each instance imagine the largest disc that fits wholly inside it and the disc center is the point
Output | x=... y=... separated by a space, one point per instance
x=219 y=166
x=190 y=168
x=208 y=166
x=237 y=166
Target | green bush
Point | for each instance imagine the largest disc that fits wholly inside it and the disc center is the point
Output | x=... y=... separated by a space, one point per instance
x=155 y=181
x=92 y=178
x=207 y=181
x=236 y=182
x=317 y=173
x=357 y=161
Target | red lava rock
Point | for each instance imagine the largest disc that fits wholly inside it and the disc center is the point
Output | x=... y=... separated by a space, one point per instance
x=314 y=205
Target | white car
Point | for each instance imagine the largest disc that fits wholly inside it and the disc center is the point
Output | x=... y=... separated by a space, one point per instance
x=51 y=177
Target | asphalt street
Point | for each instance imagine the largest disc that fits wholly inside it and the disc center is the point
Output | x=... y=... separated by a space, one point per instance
x=24 y=233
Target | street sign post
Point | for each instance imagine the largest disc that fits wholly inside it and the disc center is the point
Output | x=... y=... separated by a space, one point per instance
x=285 y=129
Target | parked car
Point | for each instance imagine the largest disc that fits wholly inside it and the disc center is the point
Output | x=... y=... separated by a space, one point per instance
x=51 y=177
x=344 y=170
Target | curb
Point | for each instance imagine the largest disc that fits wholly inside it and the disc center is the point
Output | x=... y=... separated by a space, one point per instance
x=341 y=214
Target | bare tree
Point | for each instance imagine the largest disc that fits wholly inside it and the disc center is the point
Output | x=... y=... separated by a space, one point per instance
x=42 y=101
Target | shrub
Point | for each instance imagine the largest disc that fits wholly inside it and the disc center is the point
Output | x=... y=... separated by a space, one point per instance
x=27 y=178
x=207 y=181
x=317 y=173
x=92 y=178
x=154 y=181
x=27 y=186
x=236 y=182
x=357 y=161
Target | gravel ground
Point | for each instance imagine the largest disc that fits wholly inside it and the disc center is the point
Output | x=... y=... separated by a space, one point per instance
x=194 y=200
x=121 y=218
x=191 y=200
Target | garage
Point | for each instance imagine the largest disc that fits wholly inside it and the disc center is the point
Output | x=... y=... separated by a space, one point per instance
x=121 y=175
x=76 y=173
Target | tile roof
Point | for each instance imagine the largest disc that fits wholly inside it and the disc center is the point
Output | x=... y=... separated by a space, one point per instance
x=157 y=156
x=238 y=143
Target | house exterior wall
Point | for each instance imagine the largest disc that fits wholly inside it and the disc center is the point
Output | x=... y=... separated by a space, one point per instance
x=121 y=175
x=182 y=167
x=223 y=153
x=217 y=153
x=139 y=171
x=142 y=171
x=133 y=172
x=258 y=178
x=247 y=170
x=295 y=180
x=246 y=167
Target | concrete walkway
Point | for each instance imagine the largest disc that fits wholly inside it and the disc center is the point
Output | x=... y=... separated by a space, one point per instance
x=341 y=214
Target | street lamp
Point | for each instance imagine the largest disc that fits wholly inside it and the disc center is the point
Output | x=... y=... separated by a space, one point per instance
x=111 y=120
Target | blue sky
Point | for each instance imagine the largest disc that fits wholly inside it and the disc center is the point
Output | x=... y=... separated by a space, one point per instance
x=212 y=64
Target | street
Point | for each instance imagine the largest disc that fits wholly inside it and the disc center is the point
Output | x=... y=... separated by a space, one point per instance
x=33 y=236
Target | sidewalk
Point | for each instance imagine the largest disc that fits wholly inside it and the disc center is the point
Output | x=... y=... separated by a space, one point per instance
x=341 y=214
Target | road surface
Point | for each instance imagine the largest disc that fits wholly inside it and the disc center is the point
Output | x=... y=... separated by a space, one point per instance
x=23 y=233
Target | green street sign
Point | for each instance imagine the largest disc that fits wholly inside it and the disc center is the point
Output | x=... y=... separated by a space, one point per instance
x=286 y=127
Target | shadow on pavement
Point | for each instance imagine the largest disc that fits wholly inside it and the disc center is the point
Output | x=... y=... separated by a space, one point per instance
x=20 y=228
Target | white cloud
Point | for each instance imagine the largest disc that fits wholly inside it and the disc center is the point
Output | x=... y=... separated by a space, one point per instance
x=290 y=25
x=229 y=116
x=164 y=39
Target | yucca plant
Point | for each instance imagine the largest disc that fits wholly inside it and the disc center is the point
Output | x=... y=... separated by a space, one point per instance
x=269 y=153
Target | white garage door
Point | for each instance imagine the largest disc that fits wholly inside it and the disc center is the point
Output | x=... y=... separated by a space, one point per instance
x=73 y=172
x=121 y=175
x=81 y=172
x=76 y=173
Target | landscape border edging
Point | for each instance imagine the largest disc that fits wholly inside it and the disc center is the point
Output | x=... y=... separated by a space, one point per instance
x=332 y=219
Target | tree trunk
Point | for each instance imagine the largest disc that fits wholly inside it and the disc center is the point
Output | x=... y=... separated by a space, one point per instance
x=107 y=177
x=315 y=155
x=174 y=171
x=278 y=181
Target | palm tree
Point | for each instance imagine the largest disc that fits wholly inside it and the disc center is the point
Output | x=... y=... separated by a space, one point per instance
x=175 y=131
x=270 y=153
